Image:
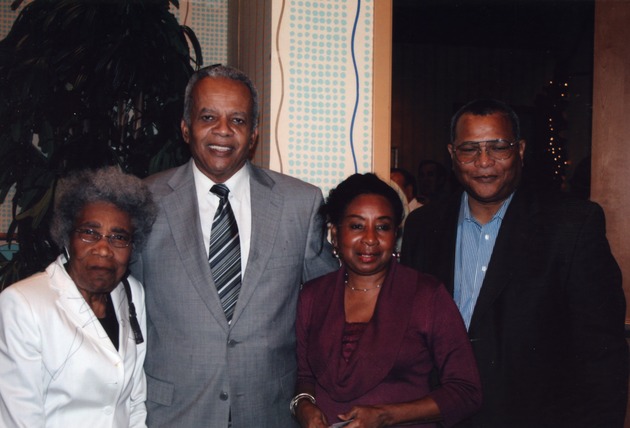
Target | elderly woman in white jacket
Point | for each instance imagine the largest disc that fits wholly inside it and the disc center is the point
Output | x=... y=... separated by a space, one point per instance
x=71 y=337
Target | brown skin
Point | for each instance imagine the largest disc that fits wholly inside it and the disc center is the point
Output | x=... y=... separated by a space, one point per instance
x=488 y=182
x=96 y=267
x=365 y=240
x=221 y=134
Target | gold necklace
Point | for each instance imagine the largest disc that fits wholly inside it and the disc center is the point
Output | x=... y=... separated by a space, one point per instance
x=345 y=281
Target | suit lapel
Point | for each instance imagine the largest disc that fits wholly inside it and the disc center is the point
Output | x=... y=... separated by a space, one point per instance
x=186 y=230
x=267 y=208
x=506 y=254
x=447 y=242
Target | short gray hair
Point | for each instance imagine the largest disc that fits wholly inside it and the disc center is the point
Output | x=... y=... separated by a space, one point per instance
x=80 y=188
x=220 y=71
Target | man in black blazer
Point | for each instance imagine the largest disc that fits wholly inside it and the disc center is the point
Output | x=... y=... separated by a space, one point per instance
x=535 y=281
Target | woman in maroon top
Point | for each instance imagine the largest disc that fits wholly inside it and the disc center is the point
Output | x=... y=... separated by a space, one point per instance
x=370 y=334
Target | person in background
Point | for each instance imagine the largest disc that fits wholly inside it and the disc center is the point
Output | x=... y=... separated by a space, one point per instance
x=432 y=181
x=534 y=279
x=370 y=334
x=222 y=269
x=72 y=337
x=407 y=184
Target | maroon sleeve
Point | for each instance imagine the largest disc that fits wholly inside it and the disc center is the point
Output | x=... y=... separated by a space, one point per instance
x=459 y=394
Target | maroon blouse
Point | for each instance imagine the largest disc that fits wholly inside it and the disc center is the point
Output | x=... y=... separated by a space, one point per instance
x=415 y=327
x=352 y=331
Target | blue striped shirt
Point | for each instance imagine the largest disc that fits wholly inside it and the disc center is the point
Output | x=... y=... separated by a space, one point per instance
x=475 y=243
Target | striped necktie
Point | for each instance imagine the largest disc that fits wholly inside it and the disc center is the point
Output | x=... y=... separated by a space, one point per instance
x=225 y=252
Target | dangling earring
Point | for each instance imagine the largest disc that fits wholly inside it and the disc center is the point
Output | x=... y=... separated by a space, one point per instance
x=66 y=253
x=337 y=256
x=335 y=253
x=396 y=255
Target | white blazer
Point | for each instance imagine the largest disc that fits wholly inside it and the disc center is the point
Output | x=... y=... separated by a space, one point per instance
x=58 y=367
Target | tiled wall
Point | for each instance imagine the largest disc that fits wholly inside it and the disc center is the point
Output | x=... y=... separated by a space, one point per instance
x=322 y=89
x=209 y=21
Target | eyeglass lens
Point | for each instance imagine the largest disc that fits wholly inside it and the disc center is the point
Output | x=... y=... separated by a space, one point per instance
x=495 y=149
x=92 y=236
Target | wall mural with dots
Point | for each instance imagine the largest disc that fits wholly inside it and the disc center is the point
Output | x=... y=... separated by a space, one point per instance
x=209 y=21
x=322 y=91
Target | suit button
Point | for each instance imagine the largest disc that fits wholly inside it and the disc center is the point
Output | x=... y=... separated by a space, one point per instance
x=232 y=343
x=223 y=396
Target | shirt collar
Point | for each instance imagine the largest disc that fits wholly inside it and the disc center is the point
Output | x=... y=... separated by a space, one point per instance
x=236 y=183
x=464 y=209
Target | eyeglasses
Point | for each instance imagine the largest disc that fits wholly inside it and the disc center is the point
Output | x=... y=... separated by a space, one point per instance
x=499 y=149
x=116 y=240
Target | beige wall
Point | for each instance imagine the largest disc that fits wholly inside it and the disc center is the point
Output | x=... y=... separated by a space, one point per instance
x=309 y=59
x=382 y=106
x=611 y=127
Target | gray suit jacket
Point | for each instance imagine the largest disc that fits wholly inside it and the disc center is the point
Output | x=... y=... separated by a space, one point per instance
x=198 y=367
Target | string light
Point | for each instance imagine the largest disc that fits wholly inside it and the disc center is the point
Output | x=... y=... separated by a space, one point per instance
x=556 y=94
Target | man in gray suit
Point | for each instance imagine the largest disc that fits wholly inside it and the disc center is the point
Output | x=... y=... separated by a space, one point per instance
x=204 y=370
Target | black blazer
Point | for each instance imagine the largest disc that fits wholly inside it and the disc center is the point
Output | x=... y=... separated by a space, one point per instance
x=548 y=326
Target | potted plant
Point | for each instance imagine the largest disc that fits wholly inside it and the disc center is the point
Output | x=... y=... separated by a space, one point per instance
x=85 y=84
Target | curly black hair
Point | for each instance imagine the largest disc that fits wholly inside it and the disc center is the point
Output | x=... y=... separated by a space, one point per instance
x=359 y=184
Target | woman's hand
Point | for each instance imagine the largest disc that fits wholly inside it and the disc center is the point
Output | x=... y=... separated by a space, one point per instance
x=365 y=417
x=309 y=415
x=384 y=415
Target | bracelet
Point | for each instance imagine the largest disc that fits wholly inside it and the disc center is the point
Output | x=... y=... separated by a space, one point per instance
x=294 y=401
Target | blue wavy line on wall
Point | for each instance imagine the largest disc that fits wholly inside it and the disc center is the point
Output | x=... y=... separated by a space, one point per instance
x=356 y=77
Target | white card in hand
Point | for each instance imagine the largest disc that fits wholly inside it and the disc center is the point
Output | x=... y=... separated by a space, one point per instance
x=341 y=424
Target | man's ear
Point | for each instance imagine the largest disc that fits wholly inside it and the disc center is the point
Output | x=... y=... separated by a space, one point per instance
x=521 y=150
x=252 y=139
x=185 y=131
x=251 y=145
x=451 y=150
